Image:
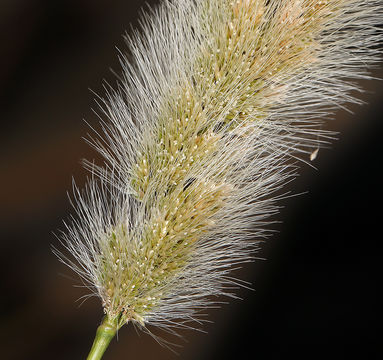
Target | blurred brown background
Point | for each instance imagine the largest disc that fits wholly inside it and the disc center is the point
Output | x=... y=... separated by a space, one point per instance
x=316 y=295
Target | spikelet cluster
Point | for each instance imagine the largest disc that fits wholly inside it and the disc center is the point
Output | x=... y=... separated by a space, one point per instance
x=216 y=99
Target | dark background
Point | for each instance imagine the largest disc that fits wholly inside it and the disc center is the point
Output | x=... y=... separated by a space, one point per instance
x=316 y=295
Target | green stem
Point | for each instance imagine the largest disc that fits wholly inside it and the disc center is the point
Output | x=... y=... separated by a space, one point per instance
x=105 y=333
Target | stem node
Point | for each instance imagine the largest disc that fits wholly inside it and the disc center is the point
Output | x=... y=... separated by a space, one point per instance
x=105 y=333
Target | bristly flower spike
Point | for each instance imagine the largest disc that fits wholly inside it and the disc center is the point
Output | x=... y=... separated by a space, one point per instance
x=217 y=99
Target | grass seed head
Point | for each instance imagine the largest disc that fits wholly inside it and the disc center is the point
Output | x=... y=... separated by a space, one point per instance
x=217 y=98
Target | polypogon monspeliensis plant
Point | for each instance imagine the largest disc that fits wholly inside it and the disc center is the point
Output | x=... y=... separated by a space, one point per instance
x=216 y=102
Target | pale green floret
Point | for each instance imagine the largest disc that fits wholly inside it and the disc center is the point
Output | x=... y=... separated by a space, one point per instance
x=145 y=266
